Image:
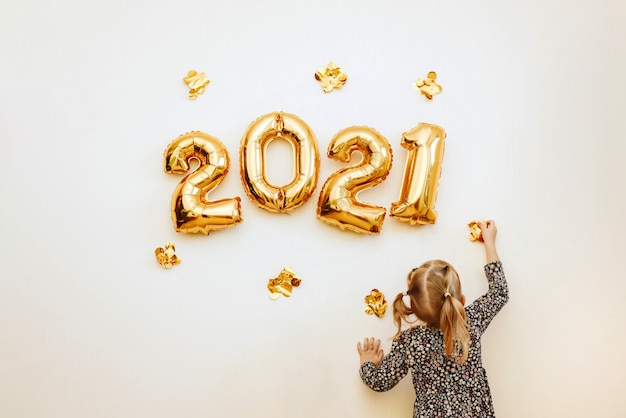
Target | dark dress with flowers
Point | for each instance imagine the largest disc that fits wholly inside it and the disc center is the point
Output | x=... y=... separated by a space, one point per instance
x=442 y=387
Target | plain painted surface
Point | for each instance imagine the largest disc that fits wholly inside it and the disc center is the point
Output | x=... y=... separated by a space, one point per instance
x=91 y=94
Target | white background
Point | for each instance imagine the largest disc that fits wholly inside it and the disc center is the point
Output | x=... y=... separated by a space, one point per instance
x=91 y=93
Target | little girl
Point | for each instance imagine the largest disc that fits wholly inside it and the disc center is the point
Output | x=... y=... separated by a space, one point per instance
x=443 y=353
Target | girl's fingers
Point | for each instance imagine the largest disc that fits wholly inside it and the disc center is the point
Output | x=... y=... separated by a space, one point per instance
x=369 y=344
x=376 y=346
x=486 y=224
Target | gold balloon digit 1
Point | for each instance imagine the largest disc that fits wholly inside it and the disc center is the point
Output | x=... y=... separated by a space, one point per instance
x=422 y=172
x=279 y=125
x=192 y=212
x=338 y=203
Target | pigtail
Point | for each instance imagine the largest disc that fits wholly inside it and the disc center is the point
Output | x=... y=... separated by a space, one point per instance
x=453 y=324
x=400 y=313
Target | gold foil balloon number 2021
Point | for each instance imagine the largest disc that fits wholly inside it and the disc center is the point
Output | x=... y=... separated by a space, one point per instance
x=338 y=205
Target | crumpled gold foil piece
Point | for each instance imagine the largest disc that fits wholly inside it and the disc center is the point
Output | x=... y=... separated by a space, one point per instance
x=428 y=86
x=196 y=82
x=283 y=284
x=166 y=257
x=376 y=303
x=476 y=234
x=331 y=77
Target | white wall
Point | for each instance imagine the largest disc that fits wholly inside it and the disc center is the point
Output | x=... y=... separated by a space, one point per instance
x=91 y=94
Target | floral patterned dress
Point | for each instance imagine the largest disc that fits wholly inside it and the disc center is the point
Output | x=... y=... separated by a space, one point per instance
x=442 y=387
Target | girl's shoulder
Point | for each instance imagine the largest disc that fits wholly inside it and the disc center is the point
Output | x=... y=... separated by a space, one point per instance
x=418 y=341
x=421 y=332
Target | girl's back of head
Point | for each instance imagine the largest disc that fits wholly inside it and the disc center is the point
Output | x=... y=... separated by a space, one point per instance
x=436 y=298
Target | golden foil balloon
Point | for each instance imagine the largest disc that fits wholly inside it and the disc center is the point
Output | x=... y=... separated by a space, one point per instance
x=192 y=212
x=425 y=145
x=476 y=234
x=331 y=77
x=283 y=284
x=428 y=86
x=166 y=257
x=376 y=303
x=196 y=82
x=338 y=203
x=290 y=128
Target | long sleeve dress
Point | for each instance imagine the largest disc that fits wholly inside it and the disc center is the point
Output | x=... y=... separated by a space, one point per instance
x=442 y=387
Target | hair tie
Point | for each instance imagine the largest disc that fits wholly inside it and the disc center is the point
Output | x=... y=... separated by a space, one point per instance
x=447 y=294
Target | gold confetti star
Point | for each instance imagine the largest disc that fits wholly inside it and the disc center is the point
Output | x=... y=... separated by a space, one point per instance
x=283 y=284
x=166 y=257
x=331 y=77
x=376 y=303
x=428 y=86
x=196 y=82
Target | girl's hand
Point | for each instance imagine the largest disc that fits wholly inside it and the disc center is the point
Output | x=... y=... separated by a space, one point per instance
x=488 y=231
x=370 y=351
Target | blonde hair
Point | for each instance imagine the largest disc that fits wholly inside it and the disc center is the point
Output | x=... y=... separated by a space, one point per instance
x=434 y=290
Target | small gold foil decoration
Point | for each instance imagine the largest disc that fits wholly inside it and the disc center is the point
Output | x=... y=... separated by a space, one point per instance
x=428 y=86
x=331 y=77
x=476 y=234
x=166 y=257
x=283 y=284
x=376 y=303
x=196 y=82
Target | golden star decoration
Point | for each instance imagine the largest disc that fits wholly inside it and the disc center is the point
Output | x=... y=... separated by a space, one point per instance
x=331 y=77
x=196 y=82
x=283 y=284
x=166 y=257
x=428 y=86
x=476 y=234
x=376 y=303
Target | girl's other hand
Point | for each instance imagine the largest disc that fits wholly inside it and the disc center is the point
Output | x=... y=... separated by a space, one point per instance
x=370 y=351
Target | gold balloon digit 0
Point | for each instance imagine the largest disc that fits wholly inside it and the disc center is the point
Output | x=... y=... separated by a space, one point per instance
x=279 y=125
x=192 y=212
x=338 y=203
x=422 y=172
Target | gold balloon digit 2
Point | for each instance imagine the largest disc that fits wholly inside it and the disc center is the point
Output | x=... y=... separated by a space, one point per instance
x=191 y=210
x=338 y=203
